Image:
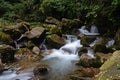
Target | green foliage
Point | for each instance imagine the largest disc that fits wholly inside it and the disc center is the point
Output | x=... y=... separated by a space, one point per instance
x=89 y=11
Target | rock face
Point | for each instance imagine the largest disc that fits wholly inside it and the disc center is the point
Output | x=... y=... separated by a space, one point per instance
x=55 y=41
x=7 y=53
x=87 y=61
x=110 y=69
x=1 y=68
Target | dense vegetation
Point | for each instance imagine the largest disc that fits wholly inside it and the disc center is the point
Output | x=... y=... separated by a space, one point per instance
x=104 y=12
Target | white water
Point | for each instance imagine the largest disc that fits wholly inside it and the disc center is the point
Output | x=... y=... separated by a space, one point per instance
x=91 y=53
x=95 y=42
x=110 y=43
x=60 y=61
x=70 y=38
x=93 y=30
x=12 y=75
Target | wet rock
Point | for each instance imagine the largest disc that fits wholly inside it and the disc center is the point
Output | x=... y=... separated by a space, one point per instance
x=1 y=68
x=103 y=57
x=84 y=73
x=86 y=40
x=5 y=38
x=55 y=41
x=82 y=51
x=36 y=50
x=38 y=78
x=109 y=70
x=87 y=61
x=40 y=70
x=100 y=48
x=7 y=53
x=51 y=20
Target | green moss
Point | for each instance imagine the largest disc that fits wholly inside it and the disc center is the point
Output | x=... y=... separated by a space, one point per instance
x=5 y=38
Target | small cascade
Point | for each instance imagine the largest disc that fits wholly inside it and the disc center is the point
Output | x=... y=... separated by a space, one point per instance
x=93 y=30
x=94 y=42
x=110 y=43
x=60 y=61
x=70 y=38
x=17 y=45
x=91 y=53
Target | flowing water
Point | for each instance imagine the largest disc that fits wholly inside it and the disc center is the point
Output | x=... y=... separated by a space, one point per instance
x=93 y=30
x=61 y=61
x=11 y=74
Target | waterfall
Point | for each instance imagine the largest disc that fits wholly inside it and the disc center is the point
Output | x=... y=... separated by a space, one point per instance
x=93 y=30
x=60 y=61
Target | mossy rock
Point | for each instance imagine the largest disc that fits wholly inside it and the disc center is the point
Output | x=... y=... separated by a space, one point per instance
x=86 y=40
x=110 y=70
x=52 y=29
x=55 y=41
x=7 y=53
x=5 y=38
x=100 y=48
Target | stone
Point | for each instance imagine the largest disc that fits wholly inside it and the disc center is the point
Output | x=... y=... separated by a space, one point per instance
x=84 y=73
x=86 y=40
x=51 y=20
x=87 y=61
x=7 y=53
x=40 y=70
x=36 y=50
x=100 y=48
x=35 y=32
x=55 y=41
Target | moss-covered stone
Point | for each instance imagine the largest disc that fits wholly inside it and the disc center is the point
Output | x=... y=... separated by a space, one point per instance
x=86 y=40
x=7 y=53
x=109 y=70
x=5 y=38
x=55 y=41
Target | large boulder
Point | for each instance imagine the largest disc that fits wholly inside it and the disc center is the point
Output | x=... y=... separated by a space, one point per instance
x=110 y=69
x=88 y=61
x=36 y=35
x=55 y=41
x=7 y=53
